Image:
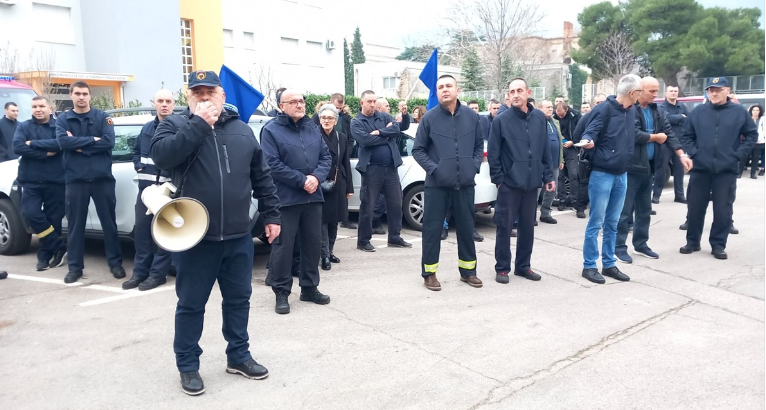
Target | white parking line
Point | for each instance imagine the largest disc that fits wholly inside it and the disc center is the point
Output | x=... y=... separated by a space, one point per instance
x=127 y=295
x=43 y=280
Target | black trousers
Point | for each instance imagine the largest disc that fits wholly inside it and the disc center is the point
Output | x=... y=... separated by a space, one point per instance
x=43 y=208
x=78 y=196
x=375 y=180
x=637 y=198
x=753 y=158
x=676 y=168
x=437 y=202
x=304 y=221
x=150 y=260
x=570 y=171
x=722 y=188
x=511 y=205
x=583 y=181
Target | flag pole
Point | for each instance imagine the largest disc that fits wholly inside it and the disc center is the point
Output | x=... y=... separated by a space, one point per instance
x=411 y=90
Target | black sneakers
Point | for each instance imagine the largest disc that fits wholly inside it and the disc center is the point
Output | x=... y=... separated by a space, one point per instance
x=42 y=265
x=580 y=213
x=399 y=243
x=282 y=307
x=151 y=283
x=477 y=237
x=367 y=247
x=312 y=294
x=72 y=276
x=117 y=271
x=250 y=369
x=58 y=258
x=528 y=275
x=3 y=274
x=191 y=383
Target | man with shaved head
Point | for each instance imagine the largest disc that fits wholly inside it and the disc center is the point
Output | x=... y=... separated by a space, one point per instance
x=151 y=263
x=652 y=131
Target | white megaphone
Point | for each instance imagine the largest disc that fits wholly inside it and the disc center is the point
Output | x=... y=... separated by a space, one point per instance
x=179 y=224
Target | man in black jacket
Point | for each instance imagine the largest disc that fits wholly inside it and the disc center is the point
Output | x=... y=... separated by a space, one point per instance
x=676 y=113
x=299 y=160
x=344 y=125
x=86 y=138
x=653 y=133
x=41 y=175
x=214 y=158
x=519 y=161
x=568 y=118
x=611 y=133
x=151 y=263
x=8 y=124
x=712 y=139
x=377 y=134
x=449 y=146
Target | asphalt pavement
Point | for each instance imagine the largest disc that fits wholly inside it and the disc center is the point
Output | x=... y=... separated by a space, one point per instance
x=686 y=332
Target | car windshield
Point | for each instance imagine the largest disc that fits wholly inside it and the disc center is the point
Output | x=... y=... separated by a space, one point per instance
x=124 y=140
x=21 y=97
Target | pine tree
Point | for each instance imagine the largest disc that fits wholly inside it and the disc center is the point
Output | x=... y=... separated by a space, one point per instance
x=472 y=72
x=348 y=69
x=357 y=50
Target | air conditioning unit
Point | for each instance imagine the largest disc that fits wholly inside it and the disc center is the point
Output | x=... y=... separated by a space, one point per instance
x=8 y=2
x=330 y=43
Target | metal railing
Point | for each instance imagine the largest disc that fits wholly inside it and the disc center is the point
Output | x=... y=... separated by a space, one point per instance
x=538 y=93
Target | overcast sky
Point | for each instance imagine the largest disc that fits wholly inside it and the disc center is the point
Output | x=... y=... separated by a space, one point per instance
x=412 y=22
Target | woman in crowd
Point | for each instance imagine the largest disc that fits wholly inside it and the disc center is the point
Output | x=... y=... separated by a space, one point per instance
x=756 y=113
x=334 y=208
x=418 y=112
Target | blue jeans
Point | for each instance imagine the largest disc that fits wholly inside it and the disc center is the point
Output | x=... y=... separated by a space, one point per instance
x=607 y=197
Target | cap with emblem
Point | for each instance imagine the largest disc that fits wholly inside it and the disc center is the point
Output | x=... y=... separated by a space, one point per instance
x=717 y=82
x=206 y=78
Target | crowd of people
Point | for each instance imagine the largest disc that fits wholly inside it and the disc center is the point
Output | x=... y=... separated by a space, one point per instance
x=610 y=157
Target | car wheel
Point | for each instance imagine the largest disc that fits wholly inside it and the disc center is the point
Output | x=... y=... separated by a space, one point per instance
x=413 y=207
x=14 y=239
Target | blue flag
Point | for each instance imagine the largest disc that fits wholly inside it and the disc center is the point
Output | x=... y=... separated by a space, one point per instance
x=428 y=76
x=240 y=93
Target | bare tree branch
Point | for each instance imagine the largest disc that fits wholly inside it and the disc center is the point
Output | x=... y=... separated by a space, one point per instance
x=262 y=79
x=617 y=57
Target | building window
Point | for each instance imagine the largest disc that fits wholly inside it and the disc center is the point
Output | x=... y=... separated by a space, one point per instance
x=52 y=23
x=289 y=48
x=187 y=51
x=228 y=38
x=249 y=40
x=315 y=54
x=389 y=83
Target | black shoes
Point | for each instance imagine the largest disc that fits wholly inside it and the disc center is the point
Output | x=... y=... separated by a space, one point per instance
x=513 y=233
x=3 y=274
x=58 y=258
x=348 y=225
x=680 y=200
x=548 y=220
x=477 y=237
x=72 y=276
x=131 y=283
x=502 y=277
x=687 y=249
x=760 y=173
x=326 y=265
x=684 y=226
x=399 y=243
x=753 y=176
x=655 y=200
x=118 y=272
x=282 y=307
x=367 y=247
x=191 y=383
x=615 y=273
x=334 y=259
x=378 y=230
x=250 y=369
x=528 y=275
x=42 y=265
x=719 y=254
x=445 y=233
x=151 y=283
x=581 y=214
x=592 y=275
x=313 y=295
x=652 y=212
x=733 y=230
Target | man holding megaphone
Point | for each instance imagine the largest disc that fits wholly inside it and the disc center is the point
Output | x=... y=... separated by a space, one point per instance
x=214 y=159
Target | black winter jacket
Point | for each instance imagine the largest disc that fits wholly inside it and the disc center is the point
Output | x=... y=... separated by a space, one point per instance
x=677 y=114
x=362 y=126
x=712 y=137
x=518 y=152
x=94 y=163
x=229 y=170
x=7 y=131
x=142 y=155
x=294 y=151
x=35 y=166
x=449 y=147
x=613 y=151
x=573 y=118
x=639 y=162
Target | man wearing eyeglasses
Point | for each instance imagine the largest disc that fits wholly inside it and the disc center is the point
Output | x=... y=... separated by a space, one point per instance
x=299 y=160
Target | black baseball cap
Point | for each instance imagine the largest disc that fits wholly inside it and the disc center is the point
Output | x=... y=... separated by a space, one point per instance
x=207 y=78
x=717 y=82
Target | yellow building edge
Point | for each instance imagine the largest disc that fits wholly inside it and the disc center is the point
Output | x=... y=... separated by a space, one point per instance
x=206 y=18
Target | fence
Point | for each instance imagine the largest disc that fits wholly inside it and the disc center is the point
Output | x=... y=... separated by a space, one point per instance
x=538 y=93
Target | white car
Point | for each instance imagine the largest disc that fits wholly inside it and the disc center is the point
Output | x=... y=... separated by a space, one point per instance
x=15 y=234
x=413 y=177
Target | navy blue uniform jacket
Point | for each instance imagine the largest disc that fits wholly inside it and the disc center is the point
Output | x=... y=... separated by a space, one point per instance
x=94 y=163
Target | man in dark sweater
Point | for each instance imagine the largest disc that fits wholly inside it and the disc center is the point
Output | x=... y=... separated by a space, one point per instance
x=8 y=125
x=676 y=113
x=376 y=134
x=519 y=159
x=568 y=119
